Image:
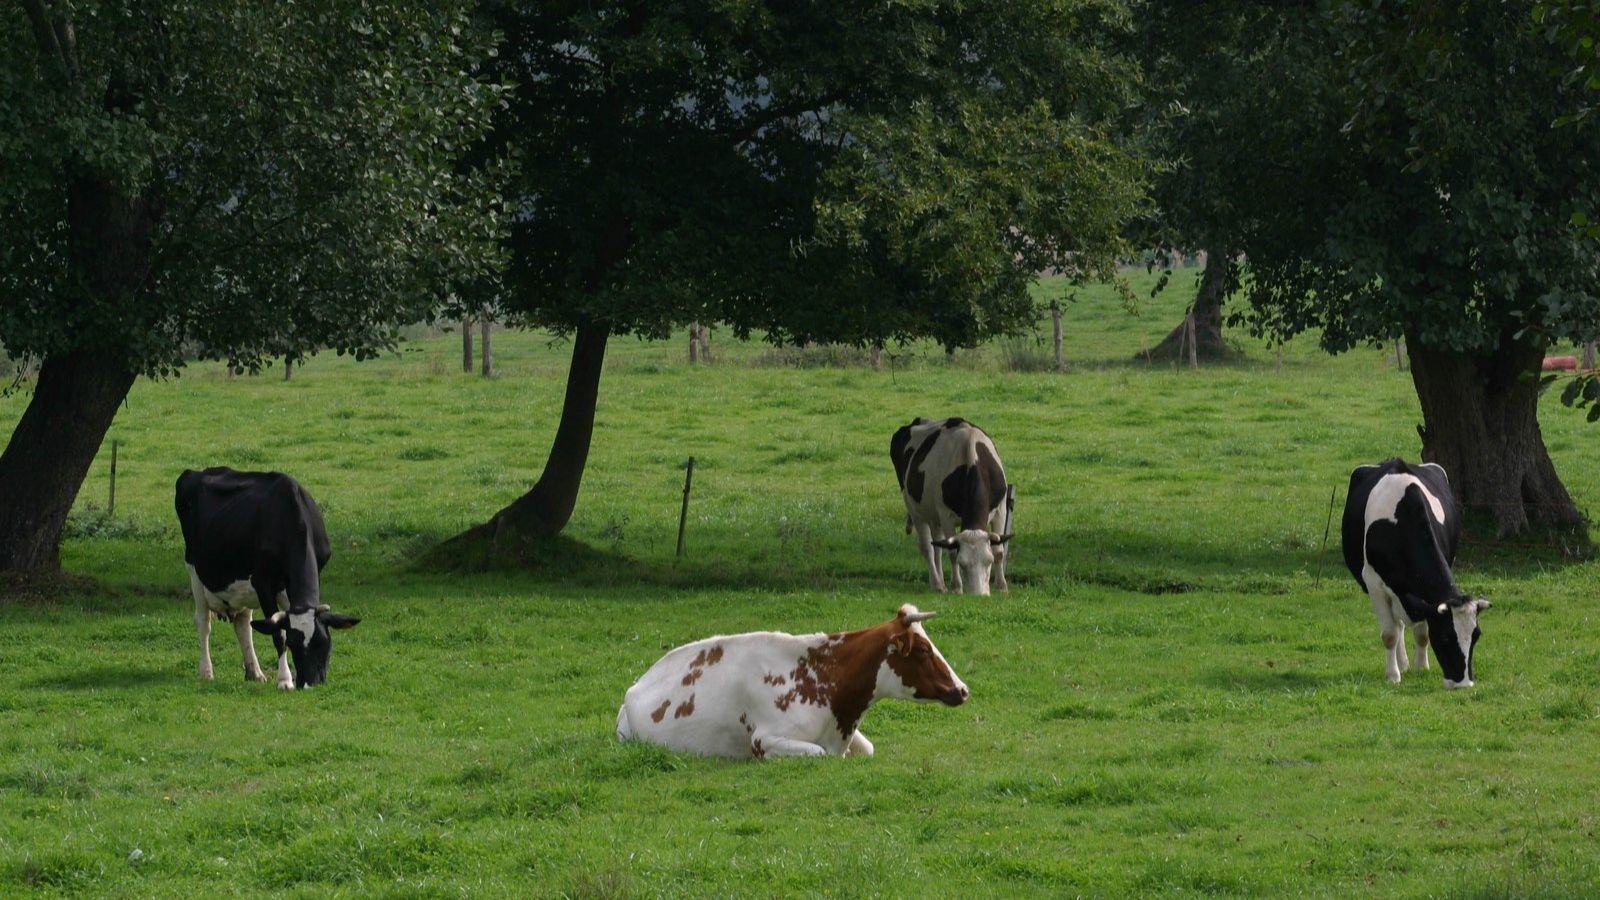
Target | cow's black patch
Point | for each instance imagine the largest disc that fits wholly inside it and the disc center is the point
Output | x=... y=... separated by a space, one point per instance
x=915 y=478
x=900 y=450
x=972 y=492
x=954 y=422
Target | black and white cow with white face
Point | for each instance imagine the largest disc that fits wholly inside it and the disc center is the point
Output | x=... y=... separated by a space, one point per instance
x=954 y=489
x=1400 y=531
x=258 y=536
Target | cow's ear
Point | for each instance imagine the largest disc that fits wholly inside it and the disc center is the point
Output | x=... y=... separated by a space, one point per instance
x=334 y=620
x=267 y=626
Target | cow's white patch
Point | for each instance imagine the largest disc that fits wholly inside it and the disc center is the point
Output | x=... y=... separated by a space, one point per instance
x=306 y=624
x=236 y=596
x=1386 y=494
x=888 y=684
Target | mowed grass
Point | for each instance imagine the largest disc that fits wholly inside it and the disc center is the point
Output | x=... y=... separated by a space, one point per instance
x=1183 y=692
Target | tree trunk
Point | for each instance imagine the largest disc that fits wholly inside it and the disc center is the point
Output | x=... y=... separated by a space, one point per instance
x=1482 y=426
x=486 y=352
x=545 y=509
x=50 y=451
x=78 y=391
x=1207 y=333
x=288 y=368
x=466 y=346
x=694 y=342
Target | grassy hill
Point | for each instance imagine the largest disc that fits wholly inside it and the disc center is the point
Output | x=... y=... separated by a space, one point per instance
x=1183 y=693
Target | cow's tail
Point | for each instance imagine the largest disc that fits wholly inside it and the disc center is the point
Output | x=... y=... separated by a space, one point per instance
x=624 y=727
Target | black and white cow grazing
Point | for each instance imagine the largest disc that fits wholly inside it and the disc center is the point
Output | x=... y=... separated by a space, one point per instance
x=1400 y=531
x=955 y=494
x=258 y=536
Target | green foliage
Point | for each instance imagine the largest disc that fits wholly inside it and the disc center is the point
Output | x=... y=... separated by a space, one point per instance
x=1161 y=706
x=1435 y=198
x=833 y=173
x=289 y=176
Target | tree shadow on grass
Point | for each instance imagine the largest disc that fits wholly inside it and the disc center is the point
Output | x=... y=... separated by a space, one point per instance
x=1122 y=559
x=1261 y=679
x=100 y=678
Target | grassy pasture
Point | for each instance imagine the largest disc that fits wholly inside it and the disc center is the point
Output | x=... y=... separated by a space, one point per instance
x=1182 y=694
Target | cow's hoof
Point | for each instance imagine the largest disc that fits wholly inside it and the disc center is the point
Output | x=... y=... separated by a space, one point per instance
x=255 y=676
x=205 y=675
x=1394 y=677
x=285 y=685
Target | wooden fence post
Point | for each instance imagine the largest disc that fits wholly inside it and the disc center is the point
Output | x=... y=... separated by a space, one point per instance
x=1588 y=355
x=487 y=325
x=683 y=514
x=1055 y=328
x=1191 y=340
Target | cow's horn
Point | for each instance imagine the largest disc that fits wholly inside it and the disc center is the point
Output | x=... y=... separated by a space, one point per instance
x=914 y=618
x=323 y=607
x=1443 y=607
x=277 y=616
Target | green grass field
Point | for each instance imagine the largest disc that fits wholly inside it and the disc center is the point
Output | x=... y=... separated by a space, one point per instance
x=1183 y=693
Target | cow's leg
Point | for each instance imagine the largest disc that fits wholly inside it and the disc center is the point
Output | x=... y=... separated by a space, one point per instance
x=858 y=746
x=1419 y=633
x=271 y=603
x=247 y=646
x=202 y=624
x=1001 y=553
x=1393 y=635
x=955 y=572
x=1397 y=614
x=930 y=554
x=771 y=745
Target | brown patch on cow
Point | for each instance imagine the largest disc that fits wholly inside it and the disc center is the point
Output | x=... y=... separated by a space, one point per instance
x=661 y=712
x=699 y=659
x=756 y=750
x=685 y=709
x=715 y=656
x=839 y=673
x=774 y=678
x=693 y=676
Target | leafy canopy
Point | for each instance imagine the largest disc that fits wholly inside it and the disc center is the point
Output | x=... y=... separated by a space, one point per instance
x=300 y=161
x=1433 y=196
x=821 y=171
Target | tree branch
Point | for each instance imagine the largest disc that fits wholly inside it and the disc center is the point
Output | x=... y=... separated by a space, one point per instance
x=755 y=123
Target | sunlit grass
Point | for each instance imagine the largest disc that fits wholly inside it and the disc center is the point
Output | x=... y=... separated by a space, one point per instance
x=1183 y=693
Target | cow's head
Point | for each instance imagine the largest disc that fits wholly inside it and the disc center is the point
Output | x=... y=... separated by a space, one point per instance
x=974 y=550
x=915 y=669
x=307 y=632
x=1453 y=633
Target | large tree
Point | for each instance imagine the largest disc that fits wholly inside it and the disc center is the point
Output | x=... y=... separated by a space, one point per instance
x=1435 y=201
x=227 y=180
x=1222 y=80
x=830 y=171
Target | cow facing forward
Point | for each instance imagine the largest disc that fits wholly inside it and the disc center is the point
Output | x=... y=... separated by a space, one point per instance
x=954 y=489
x=257 y=538
x=772 y=694
x=1400 y=531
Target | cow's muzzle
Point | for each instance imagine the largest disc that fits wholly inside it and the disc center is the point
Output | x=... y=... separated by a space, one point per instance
x=955 y=696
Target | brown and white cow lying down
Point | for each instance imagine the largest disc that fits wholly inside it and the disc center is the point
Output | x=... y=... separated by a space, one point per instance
x=772 y=694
